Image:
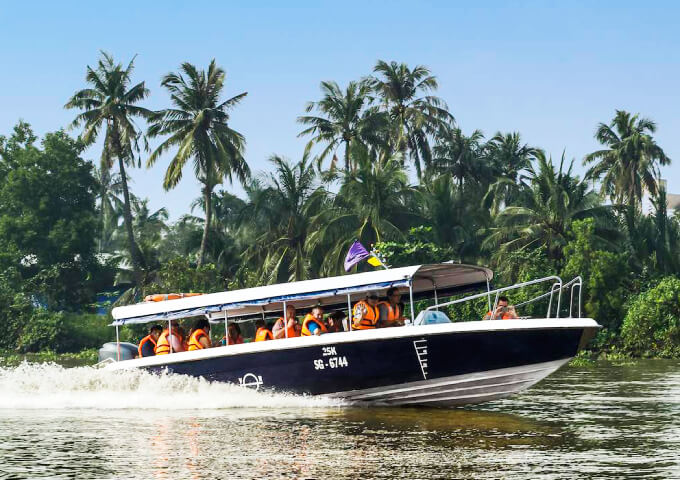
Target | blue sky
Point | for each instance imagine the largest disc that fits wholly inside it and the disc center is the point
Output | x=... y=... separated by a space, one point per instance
x=550 y=71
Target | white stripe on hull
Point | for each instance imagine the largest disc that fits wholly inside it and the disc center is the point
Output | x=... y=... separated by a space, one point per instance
x=459 y=389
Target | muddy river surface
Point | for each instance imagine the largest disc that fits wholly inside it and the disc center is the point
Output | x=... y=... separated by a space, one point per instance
x=605 y=421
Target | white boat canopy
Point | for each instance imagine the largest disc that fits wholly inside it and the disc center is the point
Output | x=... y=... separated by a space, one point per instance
x=444 y=277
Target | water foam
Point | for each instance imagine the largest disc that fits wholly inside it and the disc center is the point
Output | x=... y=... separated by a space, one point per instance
x=50 y=386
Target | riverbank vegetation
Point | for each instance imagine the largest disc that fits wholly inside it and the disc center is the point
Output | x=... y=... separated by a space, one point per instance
x=387 y=163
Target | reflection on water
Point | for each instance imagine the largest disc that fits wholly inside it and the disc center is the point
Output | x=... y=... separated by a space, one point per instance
x=603 y=422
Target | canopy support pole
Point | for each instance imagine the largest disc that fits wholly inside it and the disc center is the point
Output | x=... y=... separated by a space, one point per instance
x=410 y=294
x=226 y=328
x=488 y=293
x=169 y=337
x=436 y=300
x=349 y=313
x=285 y=320
x=117 y=344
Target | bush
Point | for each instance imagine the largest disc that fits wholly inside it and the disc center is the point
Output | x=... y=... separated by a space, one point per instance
x=605 y=275
x=82 y=331
x=651 y=327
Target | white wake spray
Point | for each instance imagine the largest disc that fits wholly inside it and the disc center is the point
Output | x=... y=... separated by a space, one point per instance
x=50 y=386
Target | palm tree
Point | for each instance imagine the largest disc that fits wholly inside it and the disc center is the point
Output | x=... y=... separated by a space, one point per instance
x=282 y=208
x=630 y=163
x=198 y=127
x=110 y=205
x=461 y=156
x=456 y=215
x=511 y=159
x=544 y=210
x=345 y=119
x=414 y=116
x=110 y=103
x=375 y=203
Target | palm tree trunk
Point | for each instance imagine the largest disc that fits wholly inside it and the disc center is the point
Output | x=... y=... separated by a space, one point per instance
x=346 y=155
x=135 y=254
x=207 y=195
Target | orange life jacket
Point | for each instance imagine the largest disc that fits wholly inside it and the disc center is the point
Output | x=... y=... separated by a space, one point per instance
x=163 y=344
x=143 y=341
x=393 y=313
x=311 y=318
x=505 y=316
x=195 y=340
x=292 y=331
x=263 y=334
x=364 y=316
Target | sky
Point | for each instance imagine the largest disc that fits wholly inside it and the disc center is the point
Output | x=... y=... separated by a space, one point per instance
x=549 y=70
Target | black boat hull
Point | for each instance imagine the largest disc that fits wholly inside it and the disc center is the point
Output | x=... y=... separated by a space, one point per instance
x=439 y=365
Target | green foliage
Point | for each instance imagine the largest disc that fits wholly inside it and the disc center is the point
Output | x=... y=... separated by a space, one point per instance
x=179 y=275
x=40 y=331
x=606 y=279
x=651 y=327
x=82 y=331
x=47 y=215
x=416 y=250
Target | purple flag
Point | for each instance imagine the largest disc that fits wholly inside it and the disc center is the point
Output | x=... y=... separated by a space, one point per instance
x=356 y=253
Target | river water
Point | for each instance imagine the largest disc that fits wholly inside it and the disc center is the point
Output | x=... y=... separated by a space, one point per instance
x=605 y=421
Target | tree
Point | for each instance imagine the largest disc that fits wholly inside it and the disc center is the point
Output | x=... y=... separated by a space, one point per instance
x=414 y=116
x=283 y=211
x=110 y=103
x=344 y=119
x=199 y=127
x=455 y=214
x=605 y=273
x=511 y=160
x=544 y=211
x=110 y=206
x=630 y=163
x=47 y=215
x=375 y=203
x=461 y=156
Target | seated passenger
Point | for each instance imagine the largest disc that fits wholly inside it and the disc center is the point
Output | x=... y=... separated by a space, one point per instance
x=365 y=314
x=168 y=339
x=291 y=325
x=335 y=321
x=200 y=336
x=263 y=332
x=148 y=343
x=313 y=323
x=234 y=335
x=503 y=311
x=391 y=310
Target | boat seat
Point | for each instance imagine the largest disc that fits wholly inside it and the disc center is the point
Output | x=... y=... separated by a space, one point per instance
x=431 y=317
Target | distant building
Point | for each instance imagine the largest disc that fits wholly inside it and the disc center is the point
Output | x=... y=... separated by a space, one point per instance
x=672 y=199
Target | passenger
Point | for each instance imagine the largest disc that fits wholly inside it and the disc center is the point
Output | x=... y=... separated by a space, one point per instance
x=147 y=344
x=263 y=333
x=335 y=321
x=200 y=336
x=166 y=339
x=365 y=314
x=503 y=311
x=313 y=323
x=185 y=338
x=391 y=310
x=234 y=337
x=291 y=324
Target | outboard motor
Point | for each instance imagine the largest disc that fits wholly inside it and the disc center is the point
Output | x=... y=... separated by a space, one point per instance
x=128 y=351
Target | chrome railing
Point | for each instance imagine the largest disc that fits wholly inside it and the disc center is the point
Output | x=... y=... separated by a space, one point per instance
x=556 y=287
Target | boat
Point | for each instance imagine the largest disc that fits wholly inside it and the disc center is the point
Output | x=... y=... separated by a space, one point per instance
x=430 y=361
